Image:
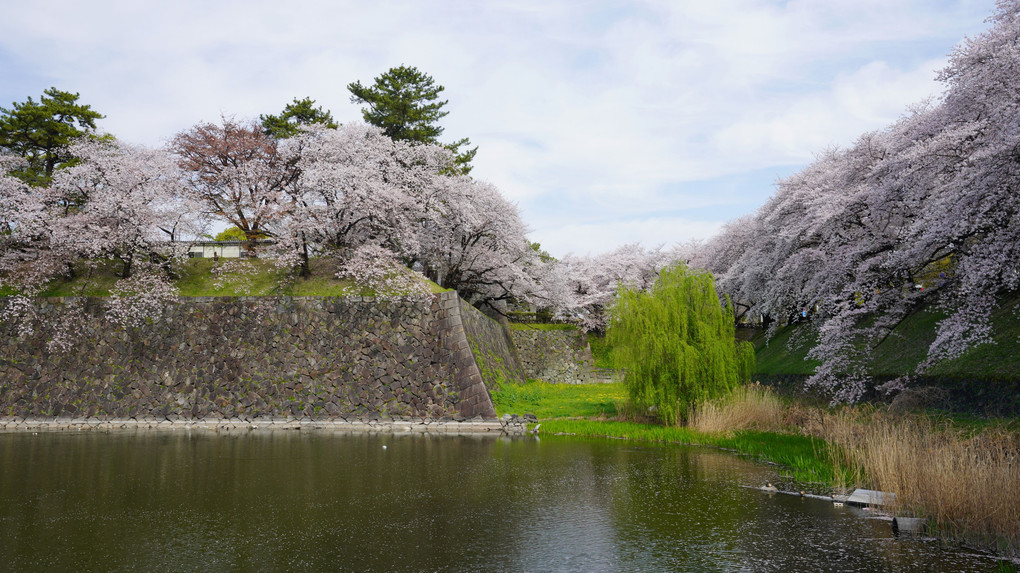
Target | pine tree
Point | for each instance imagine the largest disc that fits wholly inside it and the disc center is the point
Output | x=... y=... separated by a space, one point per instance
x=405 y=103
x=41 y=131
x=294 y=115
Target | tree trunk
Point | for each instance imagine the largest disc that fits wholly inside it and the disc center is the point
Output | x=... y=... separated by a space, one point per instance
x=306 y=270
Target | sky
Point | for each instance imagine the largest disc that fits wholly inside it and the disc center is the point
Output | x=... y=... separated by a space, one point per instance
x=651 y=121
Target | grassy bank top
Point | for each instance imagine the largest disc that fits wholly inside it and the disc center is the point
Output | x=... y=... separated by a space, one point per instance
x=905 y=347
x=225 y=277
x=543 y=326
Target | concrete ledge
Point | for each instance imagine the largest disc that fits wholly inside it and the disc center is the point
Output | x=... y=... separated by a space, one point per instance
x=396 y=426
x=866 y=497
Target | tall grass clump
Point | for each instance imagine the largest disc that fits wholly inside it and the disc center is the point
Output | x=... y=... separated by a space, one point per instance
x=745 y=408
x=677 y=343
x=967 y=485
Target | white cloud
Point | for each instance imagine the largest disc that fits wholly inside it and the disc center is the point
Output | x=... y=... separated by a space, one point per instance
x=583 y=110
x=870 y=97
x=600 y=237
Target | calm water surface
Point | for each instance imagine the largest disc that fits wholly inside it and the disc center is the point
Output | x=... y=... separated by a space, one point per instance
x=291 y=501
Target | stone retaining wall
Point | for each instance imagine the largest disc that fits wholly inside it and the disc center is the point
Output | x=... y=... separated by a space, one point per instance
x=492 y=348
x=300 y=358
x=556 y=356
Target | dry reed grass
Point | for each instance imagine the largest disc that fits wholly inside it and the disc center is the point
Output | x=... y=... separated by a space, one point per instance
x=968 y=486
x=748 y=407
x=966 y=483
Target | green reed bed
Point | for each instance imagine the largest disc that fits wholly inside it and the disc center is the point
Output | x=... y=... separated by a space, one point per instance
x=807 y=458
x=588 y=409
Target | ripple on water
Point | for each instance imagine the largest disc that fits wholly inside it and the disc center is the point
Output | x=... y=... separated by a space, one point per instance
x=289 y=501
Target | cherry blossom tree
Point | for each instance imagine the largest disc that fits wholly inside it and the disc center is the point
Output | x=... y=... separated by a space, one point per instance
x=353 y=187
x=473 y=241
x=975 y=220
x=357 y=192
x=237 y=172
x=825 y=245
x=923 y=212
x=125 y=205
x=378 y=207
x=24 y=262
x=376 y=268
x=133 y=208
x=25 y=236
x=140 y=298
x=581 y=288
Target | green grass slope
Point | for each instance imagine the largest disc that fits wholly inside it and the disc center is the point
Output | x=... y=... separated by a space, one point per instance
x=905 y=348
x=785 y=353
x=998 y=361
x=559 y=400
x=197 y=277
x=984 y=380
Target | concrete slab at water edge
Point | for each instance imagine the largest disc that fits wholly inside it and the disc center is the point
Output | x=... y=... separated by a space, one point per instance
x=473 y=426
x=870 y=497
x=913 y=525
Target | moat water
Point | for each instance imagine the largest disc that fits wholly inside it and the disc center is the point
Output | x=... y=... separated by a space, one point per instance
x=293 y=501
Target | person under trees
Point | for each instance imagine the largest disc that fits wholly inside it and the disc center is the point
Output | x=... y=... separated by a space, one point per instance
x=404 y=102
x=41 y=131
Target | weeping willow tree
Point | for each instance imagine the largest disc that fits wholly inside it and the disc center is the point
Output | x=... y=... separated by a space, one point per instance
x=677 y=344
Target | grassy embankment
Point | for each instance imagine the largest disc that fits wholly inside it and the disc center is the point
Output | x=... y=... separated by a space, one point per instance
x=600 y=410
x=963 y=474
x=546 y=326
x=205 y=277
x=983 y=378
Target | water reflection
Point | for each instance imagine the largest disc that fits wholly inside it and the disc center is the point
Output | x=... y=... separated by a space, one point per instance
x=320 y=501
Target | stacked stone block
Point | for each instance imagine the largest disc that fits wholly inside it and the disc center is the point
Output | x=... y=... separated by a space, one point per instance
x=556 y=356
x=492 y=347
x=247 y=358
